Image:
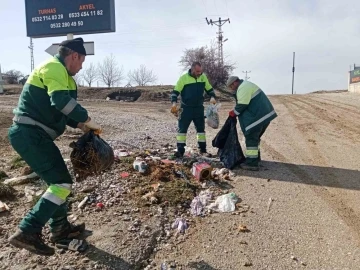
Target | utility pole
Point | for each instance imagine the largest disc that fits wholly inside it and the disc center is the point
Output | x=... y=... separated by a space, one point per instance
x=246 y=75
x=1 y=83
x=31 y=47
x=219 y=24
x=293 y=73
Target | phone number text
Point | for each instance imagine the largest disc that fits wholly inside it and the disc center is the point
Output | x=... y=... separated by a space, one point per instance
x=48 y=18
x=86 y=14
x=66 y=24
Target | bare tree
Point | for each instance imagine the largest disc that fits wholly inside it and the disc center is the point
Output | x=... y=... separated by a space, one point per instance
x=142 y=76
x=216 y=72
x=109 y=72
x=78 y=79
x=13 y=76
x=90 y=74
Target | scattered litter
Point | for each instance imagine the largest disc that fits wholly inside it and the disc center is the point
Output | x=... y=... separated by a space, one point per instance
x=3 y=207
x=212 y=115
x=199 y=203
x=167 y=161
x=153 y=200
x=147 y=196
x=90 y=155
x=180 y=224
x=73 y=218
x=20 y=180
x=224 y=203
x=100 y=205
x=221 y=174
x=156 y=186
x=140 y=165
x=243 y=228
x=124 y=174
x=201 y=171
x=82 y=203
x=121 y=153
x=269 y=204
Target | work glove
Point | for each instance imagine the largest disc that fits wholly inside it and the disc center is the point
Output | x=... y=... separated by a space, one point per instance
x=174 y=109
x=212 y=100
x=232 y=114
x=91 y=125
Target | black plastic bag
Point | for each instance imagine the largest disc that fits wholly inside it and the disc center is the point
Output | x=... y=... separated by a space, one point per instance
x=230 y=152
x=90 y=155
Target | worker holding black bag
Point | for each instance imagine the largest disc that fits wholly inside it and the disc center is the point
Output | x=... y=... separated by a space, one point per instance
x=255 y=112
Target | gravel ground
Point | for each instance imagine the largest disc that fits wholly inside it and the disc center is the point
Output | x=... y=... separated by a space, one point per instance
x=310 y=174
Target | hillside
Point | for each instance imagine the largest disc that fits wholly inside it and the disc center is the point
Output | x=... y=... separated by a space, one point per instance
x=129 y=94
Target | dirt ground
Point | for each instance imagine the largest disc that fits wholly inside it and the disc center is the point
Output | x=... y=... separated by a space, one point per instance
x=310 y=174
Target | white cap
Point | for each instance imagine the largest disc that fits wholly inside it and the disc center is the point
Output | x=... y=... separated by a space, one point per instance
x=231 y=80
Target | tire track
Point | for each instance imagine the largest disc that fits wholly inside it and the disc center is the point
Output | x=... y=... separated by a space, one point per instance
x=318 y=180
x=336 y=105
x=341 y=103
x=319 y=113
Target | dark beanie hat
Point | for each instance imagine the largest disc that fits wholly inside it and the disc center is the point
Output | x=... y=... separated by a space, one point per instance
x=77 y=45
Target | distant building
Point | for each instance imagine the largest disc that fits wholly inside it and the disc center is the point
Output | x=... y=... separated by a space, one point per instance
x=354 y=80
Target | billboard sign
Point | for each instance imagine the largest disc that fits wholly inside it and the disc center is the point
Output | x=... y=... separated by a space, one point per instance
x=355 y=76
x=50 y=18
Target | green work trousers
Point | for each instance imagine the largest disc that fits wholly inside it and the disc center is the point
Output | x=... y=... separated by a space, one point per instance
x=252 y=141
x=39 y=151
x=188 y=115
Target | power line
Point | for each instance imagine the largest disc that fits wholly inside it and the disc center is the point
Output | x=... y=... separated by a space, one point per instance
x=205 y=6
x=219 y=24
x=246 y=74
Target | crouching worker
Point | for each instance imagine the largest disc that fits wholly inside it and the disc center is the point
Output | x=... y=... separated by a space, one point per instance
x=46 y=105
x=255 y=112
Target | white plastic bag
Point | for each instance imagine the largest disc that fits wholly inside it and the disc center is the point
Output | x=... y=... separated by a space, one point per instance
x=212 y=115
x=225 y=203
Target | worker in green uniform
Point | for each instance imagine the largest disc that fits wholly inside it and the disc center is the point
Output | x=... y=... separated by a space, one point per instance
x=255 y=112
x=191 y=87
x=46 y=105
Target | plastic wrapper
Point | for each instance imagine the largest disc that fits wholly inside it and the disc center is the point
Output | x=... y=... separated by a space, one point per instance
x=224 y=203
x=227 y=141
x=212 y=115
x=90 y=155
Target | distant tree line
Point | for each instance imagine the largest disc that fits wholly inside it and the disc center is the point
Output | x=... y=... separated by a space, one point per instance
x=109 y=73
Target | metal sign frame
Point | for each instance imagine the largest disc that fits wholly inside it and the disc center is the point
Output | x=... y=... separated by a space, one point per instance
x=51 y=18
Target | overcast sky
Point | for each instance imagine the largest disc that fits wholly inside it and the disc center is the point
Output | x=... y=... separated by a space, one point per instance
x=263 y=34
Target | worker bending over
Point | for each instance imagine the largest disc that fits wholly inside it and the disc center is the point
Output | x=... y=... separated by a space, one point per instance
x=46 y=106
x=255 y=112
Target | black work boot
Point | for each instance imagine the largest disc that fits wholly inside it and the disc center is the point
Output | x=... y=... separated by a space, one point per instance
x=68 y=231
x=32 y=242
